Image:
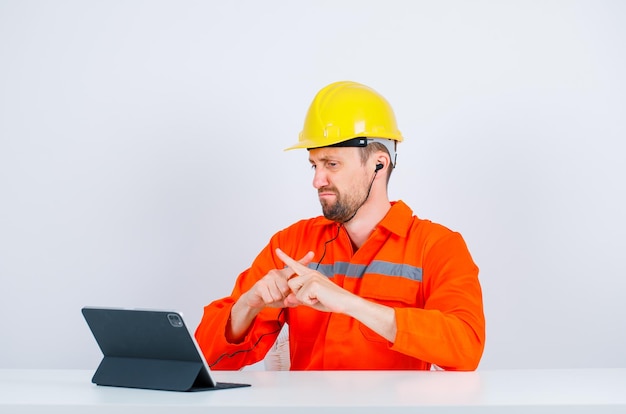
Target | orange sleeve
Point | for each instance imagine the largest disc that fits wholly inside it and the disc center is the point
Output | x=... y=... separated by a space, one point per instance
x=450 y=330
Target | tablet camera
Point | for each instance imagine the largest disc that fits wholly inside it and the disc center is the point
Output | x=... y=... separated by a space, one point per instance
x=175 y=320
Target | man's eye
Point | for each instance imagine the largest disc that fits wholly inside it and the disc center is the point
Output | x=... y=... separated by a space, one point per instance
x=313 y=166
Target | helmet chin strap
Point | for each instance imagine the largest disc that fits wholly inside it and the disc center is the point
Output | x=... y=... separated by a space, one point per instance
x=390 y=144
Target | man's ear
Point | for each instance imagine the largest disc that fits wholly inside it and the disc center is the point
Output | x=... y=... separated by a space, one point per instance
x=382 y=160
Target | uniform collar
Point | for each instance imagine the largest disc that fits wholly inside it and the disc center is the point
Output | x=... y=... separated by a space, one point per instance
x=398 y=218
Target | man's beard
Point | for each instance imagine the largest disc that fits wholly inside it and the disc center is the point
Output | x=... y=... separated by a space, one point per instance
x=345 y=207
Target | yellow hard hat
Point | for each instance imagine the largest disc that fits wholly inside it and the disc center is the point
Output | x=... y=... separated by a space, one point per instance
x=344 y=111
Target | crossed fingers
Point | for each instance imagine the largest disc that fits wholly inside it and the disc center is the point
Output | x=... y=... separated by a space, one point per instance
x=303 y=292
x=297 y=267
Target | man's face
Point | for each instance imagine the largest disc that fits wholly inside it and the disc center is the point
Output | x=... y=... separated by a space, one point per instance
x=341 y=181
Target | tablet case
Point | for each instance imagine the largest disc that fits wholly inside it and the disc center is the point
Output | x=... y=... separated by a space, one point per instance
x=150 y=349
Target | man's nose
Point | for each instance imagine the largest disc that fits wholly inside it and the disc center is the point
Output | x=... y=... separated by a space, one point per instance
x=320 y=179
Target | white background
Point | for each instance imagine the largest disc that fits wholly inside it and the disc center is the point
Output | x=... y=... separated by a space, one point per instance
x=142 y=162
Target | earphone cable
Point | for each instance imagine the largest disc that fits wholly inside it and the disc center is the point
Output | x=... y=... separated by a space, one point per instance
x=224 y=355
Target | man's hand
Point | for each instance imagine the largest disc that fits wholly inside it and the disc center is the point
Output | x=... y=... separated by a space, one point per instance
x=273 y=288
x=310 y=287
x=270 y=291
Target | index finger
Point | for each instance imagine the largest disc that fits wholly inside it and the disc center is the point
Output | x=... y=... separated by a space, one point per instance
x=294 y=265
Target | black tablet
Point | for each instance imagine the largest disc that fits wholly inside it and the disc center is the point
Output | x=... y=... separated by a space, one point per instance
x=150 y=349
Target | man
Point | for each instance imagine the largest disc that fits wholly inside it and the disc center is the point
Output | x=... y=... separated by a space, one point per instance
x=368 y=285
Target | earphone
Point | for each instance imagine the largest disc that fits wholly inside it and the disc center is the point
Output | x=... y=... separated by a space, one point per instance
x=379 y=166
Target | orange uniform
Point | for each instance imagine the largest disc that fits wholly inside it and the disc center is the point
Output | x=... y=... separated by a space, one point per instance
x=422 y=270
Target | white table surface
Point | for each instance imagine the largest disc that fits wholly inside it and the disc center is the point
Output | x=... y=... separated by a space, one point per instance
x=497 y=391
